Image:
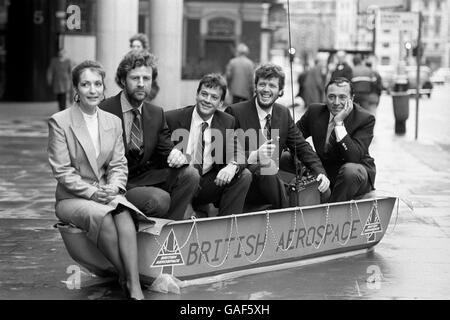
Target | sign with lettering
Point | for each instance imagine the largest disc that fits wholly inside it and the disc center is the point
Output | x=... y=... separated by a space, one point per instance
x=399 y=20
x=221 y=26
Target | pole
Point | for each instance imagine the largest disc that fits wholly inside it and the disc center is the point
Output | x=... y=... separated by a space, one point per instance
x=419 y=58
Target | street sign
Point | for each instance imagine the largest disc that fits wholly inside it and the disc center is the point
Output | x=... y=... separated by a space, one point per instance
x=365 y=5
x=399 y=20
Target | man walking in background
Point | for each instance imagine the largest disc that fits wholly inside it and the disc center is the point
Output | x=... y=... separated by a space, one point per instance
x=239 y=75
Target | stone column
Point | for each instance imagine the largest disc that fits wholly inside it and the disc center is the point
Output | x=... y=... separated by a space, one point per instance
x=166 y=23
x=265 y=34
x=117 y=21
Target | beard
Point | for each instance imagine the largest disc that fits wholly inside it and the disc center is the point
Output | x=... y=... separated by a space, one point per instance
x=136 y=97
x=266 y=104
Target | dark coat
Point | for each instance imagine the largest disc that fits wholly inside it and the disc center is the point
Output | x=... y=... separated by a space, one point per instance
x=152 y=168
x=353 y=148
x=290 y=137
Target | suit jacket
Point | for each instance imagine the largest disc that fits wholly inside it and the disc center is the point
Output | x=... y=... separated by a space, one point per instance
x=72 y=154
x=181 y=119
x=152 y=168
x=246 y=117
x=353 y=148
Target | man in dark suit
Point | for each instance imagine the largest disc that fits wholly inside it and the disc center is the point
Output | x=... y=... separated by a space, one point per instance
x=160 y=183
x=271 y=125
x=342 y=132
x=206 y=136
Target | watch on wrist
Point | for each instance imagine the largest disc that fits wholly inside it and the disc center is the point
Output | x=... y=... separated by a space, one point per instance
x=236 y=164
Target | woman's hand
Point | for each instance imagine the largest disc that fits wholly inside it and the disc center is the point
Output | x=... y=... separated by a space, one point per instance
x=105 y=194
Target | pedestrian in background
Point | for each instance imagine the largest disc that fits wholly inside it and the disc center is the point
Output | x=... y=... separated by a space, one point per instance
x=375 y=90
x=139 y=42
x=239 y=74
x=86 y=153
x=58 y=77
x=343 y=69
x=314 y=82
x=362 y=80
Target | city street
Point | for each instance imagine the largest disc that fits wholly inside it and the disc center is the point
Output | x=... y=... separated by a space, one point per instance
x=413 y=258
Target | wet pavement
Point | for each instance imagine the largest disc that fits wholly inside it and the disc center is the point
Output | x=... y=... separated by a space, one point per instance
x=411 y=262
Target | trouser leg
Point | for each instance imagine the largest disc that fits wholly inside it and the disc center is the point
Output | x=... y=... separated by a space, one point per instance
x=351 y=181
x=182 y=184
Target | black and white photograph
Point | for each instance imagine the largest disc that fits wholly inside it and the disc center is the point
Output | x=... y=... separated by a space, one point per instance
x=220 y=157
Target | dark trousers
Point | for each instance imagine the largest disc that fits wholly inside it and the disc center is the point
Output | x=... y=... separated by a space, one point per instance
x=169 y=199
x=267 y=189
x=61 y=98
x=231 y=197
x=352 y=181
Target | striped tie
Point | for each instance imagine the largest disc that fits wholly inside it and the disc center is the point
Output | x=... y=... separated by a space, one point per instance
x=331 y=136
x=268 y=127
x=200 y=149
x=136 y=133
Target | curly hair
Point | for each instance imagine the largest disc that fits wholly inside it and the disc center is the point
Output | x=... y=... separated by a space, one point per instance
x=270 y=70
x=142 y=38
x=135 y=59
x=213 y=80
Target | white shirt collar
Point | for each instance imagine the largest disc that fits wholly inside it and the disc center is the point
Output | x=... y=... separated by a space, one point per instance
x=261 y=112
x=197 y=120
x=126 y=105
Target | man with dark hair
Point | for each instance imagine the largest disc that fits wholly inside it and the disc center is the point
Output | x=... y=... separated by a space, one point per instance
x=209 y=140
x=159 y=182
x=341 y=132
x=274 y=131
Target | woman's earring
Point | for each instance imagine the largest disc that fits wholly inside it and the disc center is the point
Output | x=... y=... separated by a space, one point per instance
x=76 y=97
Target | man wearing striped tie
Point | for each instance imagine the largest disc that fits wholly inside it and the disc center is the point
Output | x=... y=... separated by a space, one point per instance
x=342 y=131
x=160 y=183
x=275 y=131
x=209 y=140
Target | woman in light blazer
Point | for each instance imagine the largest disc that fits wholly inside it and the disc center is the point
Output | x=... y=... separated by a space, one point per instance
x=86 y=153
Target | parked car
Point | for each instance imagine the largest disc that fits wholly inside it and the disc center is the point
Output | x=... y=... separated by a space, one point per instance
x=441 y=76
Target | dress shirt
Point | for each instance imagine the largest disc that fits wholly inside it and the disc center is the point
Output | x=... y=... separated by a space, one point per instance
x=92 y=125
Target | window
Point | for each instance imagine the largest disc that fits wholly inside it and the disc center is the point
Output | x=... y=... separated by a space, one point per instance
x=437 y=25
x=438 y=4
x=386 y=44
x=385 y=61
x=436 y=46
x=425 y=25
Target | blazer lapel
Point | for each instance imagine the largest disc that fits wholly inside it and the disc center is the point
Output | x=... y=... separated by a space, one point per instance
x=253 y=120
x=276 y=119
x=81 y=133
x=186 y=119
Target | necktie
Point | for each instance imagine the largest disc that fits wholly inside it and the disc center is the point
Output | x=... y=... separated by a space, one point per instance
x=136 y=140
x=331 y=136
x=200 y=149
x=268 y=127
